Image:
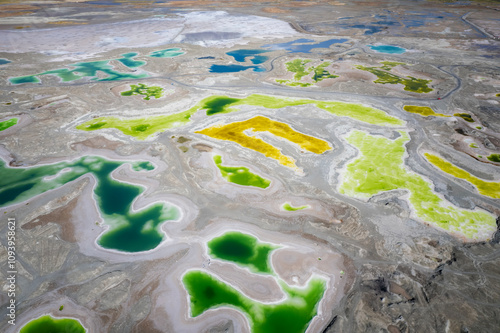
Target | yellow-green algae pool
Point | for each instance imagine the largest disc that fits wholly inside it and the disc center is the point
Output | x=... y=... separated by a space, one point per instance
x=424 y=111
x=298 y=66
x=288 y=207
x=144 y=127
x=144 y=90
x=386 y=77
x=49 y=324
x=380 y=167
x=129 y=230
x=489 y=189
x=236 y=132
x=292 y=314
x=240 y=175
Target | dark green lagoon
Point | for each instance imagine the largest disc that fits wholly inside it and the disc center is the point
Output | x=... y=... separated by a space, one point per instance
x=129 y=231
x=243 y=249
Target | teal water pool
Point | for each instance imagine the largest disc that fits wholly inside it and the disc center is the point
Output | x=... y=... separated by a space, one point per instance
x=129 y=230
x=390 y=49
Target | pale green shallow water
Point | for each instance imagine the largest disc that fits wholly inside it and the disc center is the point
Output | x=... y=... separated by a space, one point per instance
x=144 y=127
x=380 y=167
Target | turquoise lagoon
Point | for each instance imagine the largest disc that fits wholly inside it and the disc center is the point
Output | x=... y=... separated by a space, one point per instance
x=390 y=49
x=241 y=56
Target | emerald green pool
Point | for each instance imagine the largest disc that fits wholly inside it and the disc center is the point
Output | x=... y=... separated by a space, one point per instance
x=291 y=315
x=142 y=89
x=49 y=324
x=240 y=175
x=129 y=231
x=8 y=123
x=218 y=105
x=243 y=249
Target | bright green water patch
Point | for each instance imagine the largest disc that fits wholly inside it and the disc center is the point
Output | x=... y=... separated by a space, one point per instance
x=240 y=175
x=291 y=315
x=298 y=66
x=473 y=145
x=85 y=70
x=494 y=157
x=142 y=89
x=490 y=189
x=129 y=230
x=287 y=206
x=380 y=167
x=142 y=128
x=465 y=116
x=167 y=53
x=424 y=111
x=8 y=123
x=49 y=324
x=385 y=77
x=244 y=250
x=218 y=104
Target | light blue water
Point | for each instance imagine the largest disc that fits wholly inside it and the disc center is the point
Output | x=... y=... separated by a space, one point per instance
x=387 y=49
x=304 y=45
x=242 y=55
